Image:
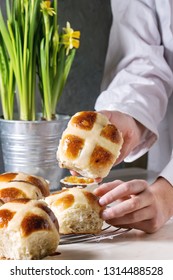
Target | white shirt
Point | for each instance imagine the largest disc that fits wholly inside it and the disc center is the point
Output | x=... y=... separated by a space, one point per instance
x=138 y=76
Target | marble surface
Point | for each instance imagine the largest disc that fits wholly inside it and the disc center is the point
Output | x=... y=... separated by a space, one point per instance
x=133 y=245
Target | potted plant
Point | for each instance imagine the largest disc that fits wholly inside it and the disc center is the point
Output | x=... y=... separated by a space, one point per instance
x=33 y=48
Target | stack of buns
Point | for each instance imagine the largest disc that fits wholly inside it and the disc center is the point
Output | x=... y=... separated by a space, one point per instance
x=90 y=145
x=31 y=224
x=32 y=219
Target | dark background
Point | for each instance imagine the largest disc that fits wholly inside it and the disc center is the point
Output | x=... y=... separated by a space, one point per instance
x=93 y=18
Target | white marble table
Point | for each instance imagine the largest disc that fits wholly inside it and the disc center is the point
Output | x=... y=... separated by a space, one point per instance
x=133 y=245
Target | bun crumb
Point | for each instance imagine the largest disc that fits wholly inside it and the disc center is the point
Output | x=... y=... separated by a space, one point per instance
x=77 y=210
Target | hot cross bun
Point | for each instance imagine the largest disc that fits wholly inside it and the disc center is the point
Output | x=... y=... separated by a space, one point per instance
x=90 y=145
x=28 y=230
x=77 y=211
x=22 y=185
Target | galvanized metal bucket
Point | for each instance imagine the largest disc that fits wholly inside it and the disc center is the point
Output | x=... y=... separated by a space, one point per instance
x=30 y=146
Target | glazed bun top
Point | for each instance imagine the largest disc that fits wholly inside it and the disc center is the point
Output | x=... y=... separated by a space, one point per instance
x=90 y=145
x=73 y=197
x=27 y=216
x=15 y=185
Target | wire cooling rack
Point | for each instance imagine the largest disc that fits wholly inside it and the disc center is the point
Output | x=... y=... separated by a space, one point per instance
x=108 y=232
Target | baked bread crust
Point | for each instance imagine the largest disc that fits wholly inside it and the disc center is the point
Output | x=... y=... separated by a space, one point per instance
x=90 y=145
x=28 y=230
x=77 y=211
x=1 y=202
x=22 y=185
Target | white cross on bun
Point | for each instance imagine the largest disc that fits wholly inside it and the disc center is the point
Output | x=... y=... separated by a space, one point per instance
x=90 y=145
x=28 y=230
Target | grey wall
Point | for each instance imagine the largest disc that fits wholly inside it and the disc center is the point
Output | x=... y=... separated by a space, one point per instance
x=93 y=19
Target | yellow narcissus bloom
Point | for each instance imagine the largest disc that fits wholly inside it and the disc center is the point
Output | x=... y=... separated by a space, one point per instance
x=46 y=8
x=71 y=38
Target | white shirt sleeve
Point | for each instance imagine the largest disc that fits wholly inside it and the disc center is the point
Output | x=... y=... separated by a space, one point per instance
x=167 y=172
x=137 y=79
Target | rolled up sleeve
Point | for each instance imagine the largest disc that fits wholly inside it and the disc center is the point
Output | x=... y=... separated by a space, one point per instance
x=137 y=79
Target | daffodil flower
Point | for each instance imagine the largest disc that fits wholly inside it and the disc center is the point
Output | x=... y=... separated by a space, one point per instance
x=50 y=58
x=46 y=8
x=70 y=38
